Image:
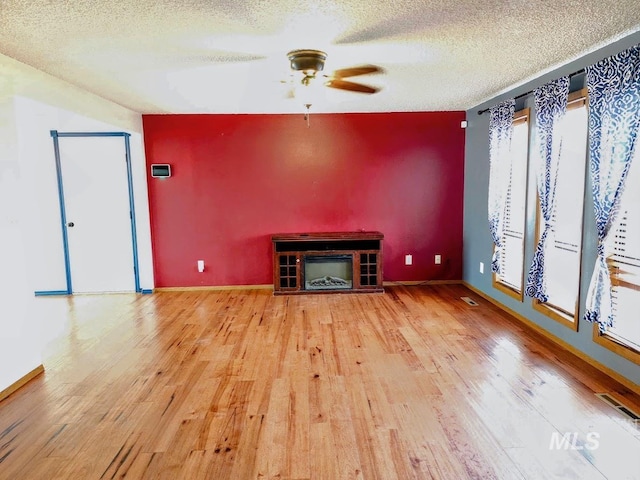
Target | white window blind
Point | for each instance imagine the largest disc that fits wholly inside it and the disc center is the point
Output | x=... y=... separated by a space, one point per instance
x=512 y=253
x=562 y=264
x=623 y=254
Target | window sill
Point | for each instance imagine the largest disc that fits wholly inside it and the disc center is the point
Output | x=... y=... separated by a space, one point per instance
x=507 y=290
x=556 y=314
x=615 y=346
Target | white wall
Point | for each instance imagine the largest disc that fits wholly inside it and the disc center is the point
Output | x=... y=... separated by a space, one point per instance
x=20 y=344
x=31 y=258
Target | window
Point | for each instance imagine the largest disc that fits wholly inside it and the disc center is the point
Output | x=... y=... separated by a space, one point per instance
x=623 y=258
x=562 y=264
x=511 y=275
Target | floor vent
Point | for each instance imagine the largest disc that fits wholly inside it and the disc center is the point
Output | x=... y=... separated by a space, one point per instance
x=629 y=413
x=618 y=406
x=470 y=301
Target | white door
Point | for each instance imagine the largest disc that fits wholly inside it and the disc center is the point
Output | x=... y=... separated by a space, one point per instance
x=96 y=199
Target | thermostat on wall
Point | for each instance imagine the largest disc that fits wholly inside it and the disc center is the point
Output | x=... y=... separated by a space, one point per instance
x=161 y=170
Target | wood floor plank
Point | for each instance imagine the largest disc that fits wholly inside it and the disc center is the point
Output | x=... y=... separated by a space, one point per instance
x=323 y=461
x=410 y=384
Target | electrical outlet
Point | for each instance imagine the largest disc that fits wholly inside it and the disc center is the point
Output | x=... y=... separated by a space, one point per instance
x=481 y=267
x=408 y=259
x=438 y=259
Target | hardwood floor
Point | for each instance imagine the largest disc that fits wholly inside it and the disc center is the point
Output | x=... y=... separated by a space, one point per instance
x=410 y=384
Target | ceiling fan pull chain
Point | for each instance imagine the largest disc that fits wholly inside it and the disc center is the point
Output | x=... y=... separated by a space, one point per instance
x=307 y=114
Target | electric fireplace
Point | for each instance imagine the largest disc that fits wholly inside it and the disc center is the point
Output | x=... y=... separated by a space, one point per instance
x=327 y=262
x=328 y=272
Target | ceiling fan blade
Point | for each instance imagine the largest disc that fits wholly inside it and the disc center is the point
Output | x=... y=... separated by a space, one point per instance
x=351 y=86
x=354 y=71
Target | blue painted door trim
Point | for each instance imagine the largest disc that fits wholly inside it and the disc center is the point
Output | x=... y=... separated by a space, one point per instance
x=63 y=212
x=46 y=293
x=63 y=216
x=132 y=212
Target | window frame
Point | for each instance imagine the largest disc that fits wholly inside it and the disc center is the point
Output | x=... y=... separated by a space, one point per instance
x=519 y=117
x=620 y=279
x=575 y=99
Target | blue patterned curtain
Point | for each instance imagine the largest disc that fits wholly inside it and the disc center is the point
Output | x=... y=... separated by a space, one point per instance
x=614 y=120
x=551 y=106
x=500 y=133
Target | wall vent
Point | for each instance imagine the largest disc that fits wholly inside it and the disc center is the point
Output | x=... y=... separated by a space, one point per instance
x=605 y=397
x=470 y=301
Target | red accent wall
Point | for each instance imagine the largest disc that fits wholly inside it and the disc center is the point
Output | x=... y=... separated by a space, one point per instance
x=237 y=179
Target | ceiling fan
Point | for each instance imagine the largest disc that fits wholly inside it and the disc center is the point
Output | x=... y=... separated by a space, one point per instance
x=311 y=62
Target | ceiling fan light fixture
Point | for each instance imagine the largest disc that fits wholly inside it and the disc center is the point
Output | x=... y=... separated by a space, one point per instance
x=309 y=90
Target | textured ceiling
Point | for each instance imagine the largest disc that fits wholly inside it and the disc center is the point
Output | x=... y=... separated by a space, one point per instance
x=229 y=56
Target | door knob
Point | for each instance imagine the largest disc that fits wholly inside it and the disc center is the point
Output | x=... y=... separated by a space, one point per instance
x=70 y=224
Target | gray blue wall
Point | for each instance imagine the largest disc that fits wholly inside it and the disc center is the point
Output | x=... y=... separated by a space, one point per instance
x=478 y=246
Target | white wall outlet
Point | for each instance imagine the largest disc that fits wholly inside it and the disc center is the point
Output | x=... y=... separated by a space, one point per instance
x=481 y=267
x=201 y=266
x=438 y=259
x=408 y=259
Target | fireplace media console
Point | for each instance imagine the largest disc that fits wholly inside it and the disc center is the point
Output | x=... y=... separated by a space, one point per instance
x=327 y=262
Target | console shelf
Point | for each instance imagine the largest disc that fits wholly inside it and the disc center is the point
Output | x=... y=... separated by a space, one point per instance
x=337 y=262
